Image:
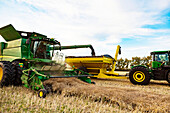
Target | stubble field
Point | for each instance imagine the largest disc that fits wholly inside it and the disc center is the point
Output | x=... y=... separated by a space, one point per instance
x=75 y=96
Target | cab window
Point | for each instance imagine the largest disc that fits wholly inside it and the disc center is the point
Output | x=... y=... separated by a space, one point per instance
x=162 y=57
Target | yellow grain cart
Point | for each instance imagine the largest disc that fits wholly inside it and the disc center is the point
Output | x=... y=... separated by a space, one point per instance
x=99 y=66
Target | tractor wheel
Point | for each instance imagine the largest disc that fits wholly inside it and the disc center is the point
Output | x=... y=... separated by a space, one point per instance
x=17 y=73
x=6 y=74
x=168 y=77
x=139 y=75
x=42 y=93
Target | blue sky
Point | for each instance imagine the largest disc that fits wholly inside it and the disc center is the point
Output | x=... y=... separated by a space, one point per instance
x=139 y=26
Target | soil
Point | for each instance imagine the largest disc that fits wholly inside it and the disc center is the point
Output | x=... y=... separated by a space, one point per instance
x=153 y=97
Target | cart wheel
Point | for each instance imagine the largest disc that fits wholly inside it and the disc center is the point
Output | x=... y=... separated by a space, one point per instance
x=42 y=93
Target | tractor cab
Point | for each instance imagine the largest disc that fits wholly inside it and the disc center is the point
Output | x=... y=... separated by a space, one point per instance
x=160 y=59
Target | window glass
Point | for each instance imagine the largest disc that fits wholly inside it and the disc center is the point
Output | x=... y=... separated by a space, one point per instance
x=162 y=57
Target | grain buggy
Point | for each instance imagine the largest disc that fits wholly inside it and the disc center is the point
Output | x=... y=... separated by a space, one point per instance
x=100 y=66
x=26 y=58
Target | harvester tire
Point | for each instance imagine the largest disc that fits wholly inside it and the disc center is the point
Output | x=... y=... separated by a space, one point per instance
x=17 y=73
x=168 y=77
x=42 y=93
x=6 y=74
x=139 y=75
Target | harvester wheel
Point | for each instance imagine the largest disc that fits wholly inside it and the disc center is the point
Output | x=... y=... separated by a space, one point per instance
x=168 y=77
x=17 y=73
x=139 y=75
x=42 y=93
x=6 y=74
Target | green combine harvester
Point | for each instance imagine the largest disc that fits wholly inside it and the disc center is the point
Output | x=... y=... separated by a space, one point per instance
x=160 y=69
x=26 y=59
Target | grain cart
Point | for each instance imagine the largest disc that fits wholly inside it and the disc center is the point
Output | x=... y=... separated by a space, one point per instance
x=26 y=58
x=100 y=66
x=160 y=69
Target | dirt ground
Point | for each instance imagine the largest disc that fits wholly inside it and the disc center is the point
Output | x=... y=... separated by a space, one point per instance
x=154 y=97
x=72 y=95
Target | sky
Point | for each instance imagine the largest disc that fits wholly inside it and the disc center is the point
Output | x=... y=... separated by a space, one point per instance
x=138 y=26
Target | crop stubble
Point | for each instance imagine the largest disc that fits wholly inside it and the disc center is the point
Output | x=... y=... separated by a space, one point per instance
x=127 y=96
x=73 y=95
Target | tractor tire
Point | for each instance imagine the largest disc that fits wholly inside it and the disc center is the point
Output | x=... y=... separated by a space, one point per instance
x=17 y=73
x=139 y=75
x=6 y=73
x=42 y=93
x=168 y=78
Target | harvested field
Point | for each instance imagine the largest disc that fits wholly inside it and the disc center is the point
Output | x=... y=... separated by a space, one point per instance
x=73 y=95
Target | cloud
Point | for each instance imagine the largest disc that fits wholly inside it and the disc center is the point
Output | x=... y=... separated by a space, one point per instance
x=81 y=21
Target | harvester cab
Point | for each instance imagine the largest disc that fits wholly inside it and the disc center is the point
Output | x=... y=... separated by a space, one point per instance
x=38 y=45
x=25 y=45
x=160 y=69
x=26 y=58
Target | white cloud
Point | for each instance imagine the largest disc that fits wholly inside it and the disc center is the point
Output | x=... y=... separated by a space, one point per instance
x=77 y=22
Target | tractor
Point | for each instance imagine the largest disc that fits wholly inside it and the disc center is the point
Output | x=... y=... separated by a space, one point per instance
x=26 y=59
x=160 y=69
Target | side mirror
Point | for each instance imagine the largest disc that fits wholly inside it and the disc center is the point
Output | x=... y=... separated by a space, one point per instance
x=119 y=50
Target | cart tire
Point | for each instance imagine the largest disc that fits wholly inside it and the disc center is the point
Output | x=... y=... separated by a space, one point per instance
x=42 y=93
x=6 y=74
x=17 y=73
x=139 y=75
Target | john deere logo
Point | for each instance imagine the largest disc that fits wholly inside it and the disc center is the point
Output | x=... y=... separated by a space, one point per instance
x=21 y=65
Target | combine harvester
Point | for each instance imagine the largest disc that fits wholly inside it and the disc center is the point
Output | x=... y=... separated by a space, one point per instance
x=26 y=58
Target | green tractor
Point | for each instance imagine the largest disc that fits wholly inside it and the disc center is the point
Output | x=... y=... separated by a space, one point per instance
x=160 y=69
x=26 y=59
